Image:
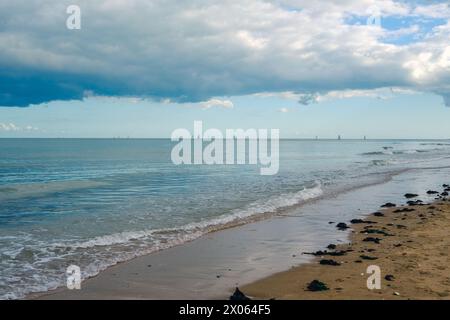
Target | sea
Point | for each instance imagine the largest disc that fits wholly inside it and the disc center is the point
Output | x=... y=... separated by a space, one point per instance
x=96 y=202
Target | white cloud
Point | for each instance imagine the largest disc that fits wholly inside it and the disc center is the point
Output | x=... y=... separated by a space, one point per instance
x=12 y=127
x=8 y=127
x=437 y=10
x=191 y=51
x=227 y=104
x=307 y=98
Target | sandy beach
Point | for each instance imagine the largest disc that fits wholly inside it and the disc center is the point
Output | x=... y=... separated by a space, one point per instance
x=410 y=244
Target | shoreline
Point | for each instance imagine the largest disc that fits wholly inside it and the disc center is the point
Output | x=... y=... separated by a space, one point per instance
x=211 y=266
x=408 y=243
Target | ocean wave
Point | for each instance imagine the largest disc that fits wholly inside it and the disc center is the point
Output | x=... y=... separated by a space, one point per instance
x=271 y=205
x=377 y=153
x=381 y=162
x=96 y=254
x=397 y=152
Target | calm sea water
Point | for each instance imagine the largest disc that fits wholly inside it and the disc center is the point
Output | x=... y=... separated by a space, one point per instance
x=94 y=203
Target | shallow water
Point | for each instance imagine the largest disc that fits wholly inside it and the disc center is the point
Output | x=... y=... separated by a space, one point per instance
x=96 y=202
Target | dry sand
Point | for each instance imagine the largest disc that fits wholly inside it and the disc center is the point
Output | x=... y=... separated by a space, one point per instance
x=415 y=252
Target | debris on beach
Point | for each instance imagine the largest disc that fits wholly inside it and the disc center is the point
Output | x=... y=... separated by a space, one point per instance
x=415 y=203
x=238 y=295
x=342 y=226
x=364 y=257
x=371 y=239
x=376 y=231
x=404 y=210
x=388 y=205
x=317 y=285
x=329 y=262
x=358 y=221
x=389 y=277
x=328 y=253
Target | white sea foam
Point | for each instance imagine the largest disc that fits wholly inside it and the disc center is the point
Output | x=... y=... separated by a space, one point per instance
x=270 y=205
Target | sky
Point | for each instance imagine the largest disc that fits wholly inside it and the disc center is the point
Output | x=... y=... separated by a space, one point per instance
x=141 y=69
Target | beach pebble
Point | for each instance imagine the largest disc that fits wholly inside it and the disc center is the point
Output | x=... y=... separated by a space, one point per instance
x=329 y=262
x=371 y=239
x=396 y=293
x=414 y=203
x=238 y=295
x=342 y=226
x=389 y=205
x=317 y=285
x=389 y=277
x=364 y=257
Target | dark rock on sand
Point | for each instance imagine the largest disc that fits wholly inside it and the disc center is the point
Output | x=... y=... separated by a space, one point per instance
x=404 y=210
x=342 y=226
x=238 y=295
x=356 y=221
x=317 y=285
x=338 y=253
x=389 y=277
x=444 y=194
x=414 y=203
x=378 y=214
x=327 y=253
x=389 y=205
x=331 y=246
x=432 y=192
x=371 y=239
x=376 y=231
x=329 y=262
x=411 y=195
x=364 y=257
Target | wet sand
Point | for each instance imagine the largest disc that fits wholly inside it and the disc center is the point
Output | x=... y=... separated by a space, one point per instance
x=412 y=250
